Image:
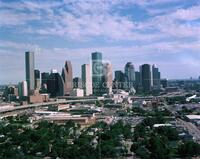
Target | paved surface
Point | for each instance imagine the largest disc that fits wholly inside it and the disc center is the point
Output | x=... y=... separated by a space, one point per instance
x=46 y=104
x=191 y=128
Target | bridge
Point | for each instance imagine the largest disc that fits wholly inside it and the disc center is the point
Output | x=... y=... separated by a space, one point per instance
x=17 y=109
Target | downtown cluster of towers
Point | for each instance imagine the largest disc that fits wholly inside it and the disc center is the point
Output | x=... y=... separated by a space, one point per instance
x=96 y=78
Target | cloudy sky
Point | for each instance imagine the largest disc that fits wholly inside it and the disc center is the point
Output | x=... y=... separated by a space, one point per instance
x=164 y=32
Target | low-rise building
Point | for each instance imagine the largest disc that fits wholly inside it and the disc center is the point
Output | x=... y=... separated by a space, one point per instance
x=77 y=92
x=38 y=98
x=61 y=118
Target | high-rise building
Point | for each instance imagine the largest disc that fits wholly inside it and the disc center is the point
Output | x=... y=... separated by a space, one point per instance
x=37 y=79
x=23 y=89
x=55 y=84
x=156 y=76
x=97 y=73
x=164 y=82
x=107 y=77
x=77 y=82
x=44 y=76
x=86 y=79
x=137 y=78
x=119 y=75
x=145 y=71
x=129 y=75
x=138 y=84
x=119 y=79
x=67 y=76
x=30 y=65
x=20 y=93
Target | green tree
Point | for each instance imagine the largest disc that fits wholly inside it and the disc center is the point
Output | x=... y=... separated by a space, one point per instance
x=158 y=146
x=189 y=149
x=170 y=133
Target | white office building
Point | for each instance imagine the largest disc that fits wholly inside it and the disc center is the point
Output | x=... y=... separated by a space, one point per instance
x=23 y=89
x=86 y=79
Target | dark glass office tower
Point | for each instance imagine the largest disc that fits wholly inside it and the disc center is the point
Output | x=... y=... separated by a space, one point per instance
x=44 y=76
x=146 y=79
x=156 y=76
x=77 y=82
x=107 y=77
x=30 y=64
x=37 y=79
x=129 y=75
x=119 y=79
x=97 y=73
x=137 y=78
x=55 y=84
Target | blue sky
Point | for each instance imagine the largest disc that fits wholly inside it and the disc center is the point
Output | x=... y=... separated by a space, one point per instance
x=164 y=32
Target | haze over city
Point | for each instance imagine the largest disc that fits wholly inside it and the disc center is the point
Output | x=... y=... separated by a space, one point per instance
x=164 y=32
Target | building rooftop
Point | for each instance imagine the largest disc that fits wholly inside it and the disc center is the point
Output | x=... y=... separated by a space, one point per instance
x=193 y=117
x=161 y=125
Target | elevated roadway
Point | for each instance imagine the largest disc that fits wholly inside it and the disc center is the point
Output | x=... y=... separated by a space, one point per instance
x=33 y=106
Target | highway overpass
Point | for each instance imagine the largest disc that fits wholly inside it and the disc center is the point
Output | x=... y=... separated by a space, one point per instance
x=17 y=109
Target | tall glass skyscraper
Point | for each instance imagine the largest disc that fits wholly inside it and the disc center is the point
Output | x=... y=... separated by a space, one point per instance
x=97 y=73
x=119 y=79
x=30 y=64
x=137 y=81
x=45 y=76
x=129 y=75
x=37 y=79
x=146 y=79
x=155 y=76
x=77 y=82
x=107 y=77
x=67 y=76
x=55 y=84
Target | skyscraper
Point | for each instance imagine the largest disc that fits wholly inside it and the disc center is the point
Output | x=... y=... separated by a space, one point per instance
x=137 y=78
x=55 y=84
x=145 y=71
x=107 y=77
x=119 y=79
x=164 y=83
x=129 y=75
x=97 y=73
x=30 y=64
x=119 y=75
x=44 y=76
x=156 y=76
x=67 y=76
x=86 y=79
x=23 y=89
x=37 y=79
x=138 y=81
x=77 y=82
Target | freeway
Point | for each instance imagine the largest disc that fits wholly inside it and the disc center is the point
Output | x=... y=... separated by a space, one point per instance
x=175 y=94
x=16 y=108
x=191 y=128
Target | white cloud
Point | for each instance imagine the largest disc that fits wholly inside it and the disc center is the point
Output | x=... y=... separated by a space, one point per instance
x=160 y=35
x=164 y=54
x=83 y=20
x=191 y=13
x=75 y=19
x=17 y=45
x=13 y=18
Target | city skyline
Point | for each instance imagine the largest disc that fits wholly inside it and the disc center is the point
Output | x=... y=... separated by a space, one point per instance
x=99 y=79
x=72 y=30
